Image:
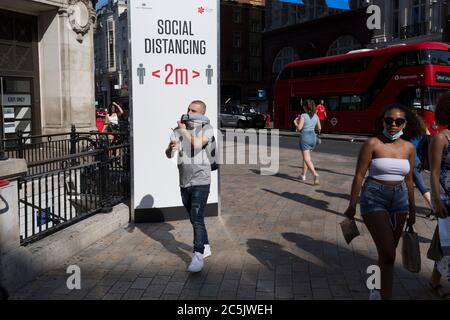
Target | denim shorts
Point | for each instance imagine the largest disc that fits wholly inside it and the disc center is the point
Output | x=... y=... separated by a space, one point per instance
x=308 y=140
x=377 y=197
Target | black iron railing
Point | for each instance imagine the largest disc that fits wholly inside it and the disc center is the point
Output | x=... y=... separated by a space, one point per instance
x=83 y=184
x=70 y=177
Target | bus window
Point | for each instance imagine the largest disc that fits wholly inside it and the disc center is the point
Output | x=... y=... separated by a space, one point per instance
x=411 y=97
x=332 y=103
x=350 y=103
x=431 y=97
x=411 y=58
x=436 y=57
x=295 y=104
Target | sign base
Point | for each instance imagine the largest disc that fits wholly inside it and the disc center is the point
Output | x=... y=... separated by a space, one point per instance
x=170 y=214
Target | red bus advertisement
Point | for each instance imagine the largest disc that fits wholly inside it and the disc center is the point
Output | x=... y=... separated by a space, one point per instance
x=356 y=86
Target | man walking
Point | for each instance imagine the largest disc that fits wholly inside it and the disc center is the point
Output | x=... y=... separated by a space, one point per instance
x=191 y=140
x=321 y=113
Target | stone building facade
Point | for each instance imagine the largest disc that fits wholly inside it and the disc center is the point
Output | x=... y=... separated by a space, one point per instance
x=47 y=65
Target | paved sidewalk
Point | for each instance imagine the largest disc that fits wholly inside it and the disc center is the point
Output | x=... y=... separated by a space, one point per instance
x=277 y=238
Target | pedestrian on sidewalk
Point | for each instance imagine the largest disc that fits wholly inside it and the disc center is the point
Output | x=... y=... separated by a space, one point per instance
x=387 y=197
x=440 y=179
x=307 y=123
x=190 y=140
x=417 y=173
x=322 y=113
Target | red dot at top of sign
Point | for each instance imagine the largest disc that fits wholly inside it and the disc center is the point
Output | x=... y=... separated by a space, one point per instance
x=201 y=10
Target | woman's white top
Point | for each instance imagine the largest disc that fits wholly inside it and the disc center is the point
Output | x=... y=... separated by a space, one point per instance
x=389 y=169
x=113 y=119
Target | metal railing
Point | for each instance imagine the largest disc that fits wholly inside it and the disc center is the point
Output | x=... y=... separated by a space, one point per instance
x=84 y=184
x=40 y=149
x=70 y=177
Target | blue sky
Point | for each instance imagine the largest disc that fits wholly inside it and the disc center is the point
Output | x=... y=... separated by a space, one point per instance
x=100 y=4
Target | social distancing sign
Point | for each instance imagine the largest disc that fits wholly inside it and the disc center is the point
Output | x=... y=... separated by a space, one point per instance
x=174 y=60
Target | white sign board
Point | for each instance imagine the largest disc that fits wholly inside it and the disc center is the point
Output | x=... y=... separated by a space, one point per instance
x=8 y=113
x=9 y=127
x=174 y=60
x=16 y=100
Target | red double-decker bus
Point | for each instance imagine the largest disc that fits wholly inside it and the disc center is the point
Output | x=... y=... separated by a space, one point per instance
x=356 y=86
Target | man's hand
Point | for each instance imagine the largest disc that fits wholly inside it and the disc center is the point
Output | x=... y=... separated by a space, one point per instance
x=173 y=146
x=181 y=125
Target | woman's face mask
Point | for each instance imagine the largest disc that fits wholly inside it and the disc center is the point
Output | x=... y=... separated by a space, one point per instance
x=392 y=137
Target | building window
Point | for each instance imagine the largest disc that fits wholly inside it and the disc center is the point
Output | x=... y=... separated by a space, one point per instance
x=254 y=50
x=255 y=26
x=111 y=61
x=418 y=11
x=396 y=22
x=255 y=74
x=419 y=24
x=236 y=39
x=237 y=16
x=284 y=56
x=236 y=64
x=343 y=45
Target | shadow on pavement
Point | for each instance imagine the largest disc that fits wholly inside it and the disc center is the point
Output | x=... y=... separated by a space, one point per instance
x=163 y=235
x=334 y=194
x=279 y=175
x=306 y=200
x=326 y=170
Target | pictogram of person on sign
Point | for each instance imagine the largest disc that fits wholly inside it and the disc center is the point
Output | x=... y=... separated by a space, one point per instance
x=209 y=74
x=141 y=73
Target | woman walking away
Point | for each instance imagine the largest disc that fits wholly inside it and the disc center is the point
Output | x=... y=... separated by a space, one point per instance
x=417 y=172
x=387 y=197
x=440 y=179
x=307 y=123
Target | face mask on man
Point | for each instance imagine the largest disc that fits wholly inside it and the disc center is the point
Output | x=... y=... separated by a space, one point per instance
x=392 y=137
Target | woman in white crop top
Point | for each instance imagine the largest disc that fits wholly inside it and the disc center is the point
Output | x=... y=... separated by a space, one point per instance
x=112 y=120
x=387 y=197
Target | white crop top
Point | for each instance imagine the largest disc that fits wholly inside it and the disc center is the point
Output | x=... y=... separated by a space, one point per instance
x=389 y=169
x=113 y=119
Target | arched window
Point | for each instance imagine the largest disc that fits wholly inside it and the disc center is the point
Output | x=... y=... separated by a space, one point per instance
x=343 y=45
x=286 y=55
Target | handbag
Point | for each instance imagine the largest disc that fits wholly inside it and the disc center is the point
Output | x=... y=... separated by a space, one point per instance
x=411 y=250
x=349 y=230
x=444 y=235
x=435 y=251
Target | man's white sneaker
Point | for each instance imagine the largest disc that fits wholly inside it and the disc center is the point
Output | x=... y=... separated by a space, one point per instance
x=375 y=295
x=196 y=263
x=207 y=251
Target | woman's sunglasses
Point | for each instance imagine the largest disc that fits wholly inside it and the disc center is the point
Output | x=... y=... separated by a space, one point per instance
x=390 y=121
